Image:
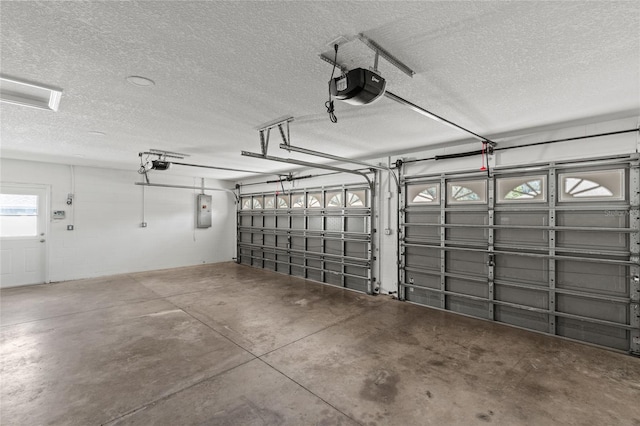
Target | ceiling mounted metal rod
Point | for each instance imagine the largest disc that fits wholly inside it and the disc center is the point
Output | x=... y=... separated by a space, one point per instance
x=275 y=123
x=291 y=179
x=264 y=141
x=287 y=138
x=163 y=154
x=203 y=188
x=337 y=158
x=221 y=168
x=329 y=156
x=307 y=164
x=433 y=116
x=167 y=153
x=386 y=55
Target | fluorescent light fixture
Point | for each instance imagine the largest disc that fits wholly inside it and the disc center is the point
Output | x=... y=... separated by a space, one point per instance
x=29 y=94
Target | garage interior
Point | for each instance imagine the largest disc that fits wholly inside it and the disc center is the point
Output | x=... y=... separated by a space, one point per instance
x=320 y=213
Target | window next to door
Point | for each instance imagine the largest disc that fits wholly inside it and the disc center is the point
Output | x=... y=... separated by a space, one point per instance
x=18 y=215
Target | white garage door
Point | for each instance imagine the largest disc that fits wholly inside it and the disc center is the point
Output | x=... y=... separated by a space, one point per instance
x=553 y=250
x=323 y=234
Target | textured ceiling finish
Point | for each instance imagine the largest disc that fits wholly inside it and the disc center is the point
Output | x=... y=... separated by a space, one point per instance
x=223 y=68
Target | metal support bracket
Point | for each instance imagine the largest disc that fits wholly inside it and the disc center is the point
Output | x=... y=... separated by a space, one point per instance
x=286 y=139
x=264 y=141
x=265 y=132
x=343 y=69
x=386 y=55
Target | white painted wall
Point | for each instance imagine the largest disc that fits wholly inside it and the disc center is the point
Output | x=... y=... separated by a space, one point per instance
x=107 y=212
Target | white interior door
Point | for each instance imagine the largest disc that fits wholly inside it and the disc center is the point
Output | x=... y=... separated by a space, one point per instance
x=23 y=228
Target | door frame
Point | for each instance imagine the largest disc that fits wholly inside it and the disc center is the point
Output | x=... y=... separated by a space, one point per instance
x=47 y=188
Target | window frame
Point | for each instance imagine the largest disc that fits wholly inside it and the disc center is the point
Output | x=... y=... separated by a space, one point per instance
x=483 y=197
x=411 y=198
x=33 y=224
x=524 y=179
x=618 y=194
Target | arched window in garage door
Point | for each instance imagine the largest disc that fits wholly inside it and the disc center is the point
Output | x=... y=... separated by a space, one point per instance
x=269 y=202
x=257 y=203
x=246 y=203
x=314 y=201
x=592 y=185
x=335 y=199
x=467 y=192
x=283 y=201
x=522 y=189
x=297 y=201
x=420 y=194
x=355 y=199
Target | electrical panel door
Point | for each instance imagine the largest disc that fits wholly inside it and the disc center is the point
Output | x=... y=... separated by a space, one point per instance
x=203 y=211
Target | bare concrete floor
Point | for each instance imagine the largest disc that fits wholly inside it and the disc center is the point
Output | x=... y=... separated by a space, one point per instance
x=231 y=345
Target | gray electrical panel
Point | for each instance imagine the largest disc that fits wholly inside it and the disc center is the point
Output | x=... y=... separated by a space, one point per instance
x=203 y=211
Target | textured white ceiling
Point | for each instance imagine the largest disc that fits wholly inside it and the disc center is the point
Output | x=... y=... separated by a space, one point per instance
x=223 y=68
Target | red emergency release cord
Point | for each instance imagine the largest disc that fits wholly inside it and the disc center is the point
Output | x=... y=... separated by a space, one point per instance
x=484 y=149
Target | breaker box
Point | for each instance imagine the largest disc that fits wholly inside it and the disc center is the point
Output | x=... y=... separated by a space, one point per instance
x=203 y=211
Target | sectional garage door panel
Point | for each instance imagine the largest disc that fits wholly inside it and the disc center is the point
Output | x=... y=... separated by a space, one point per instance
x=554 y=250
x=321 y=234
x=518 y=268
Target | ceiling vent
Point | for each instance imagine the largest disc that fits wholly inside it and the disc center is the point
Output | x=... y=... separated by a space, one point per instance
x=357 y=87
